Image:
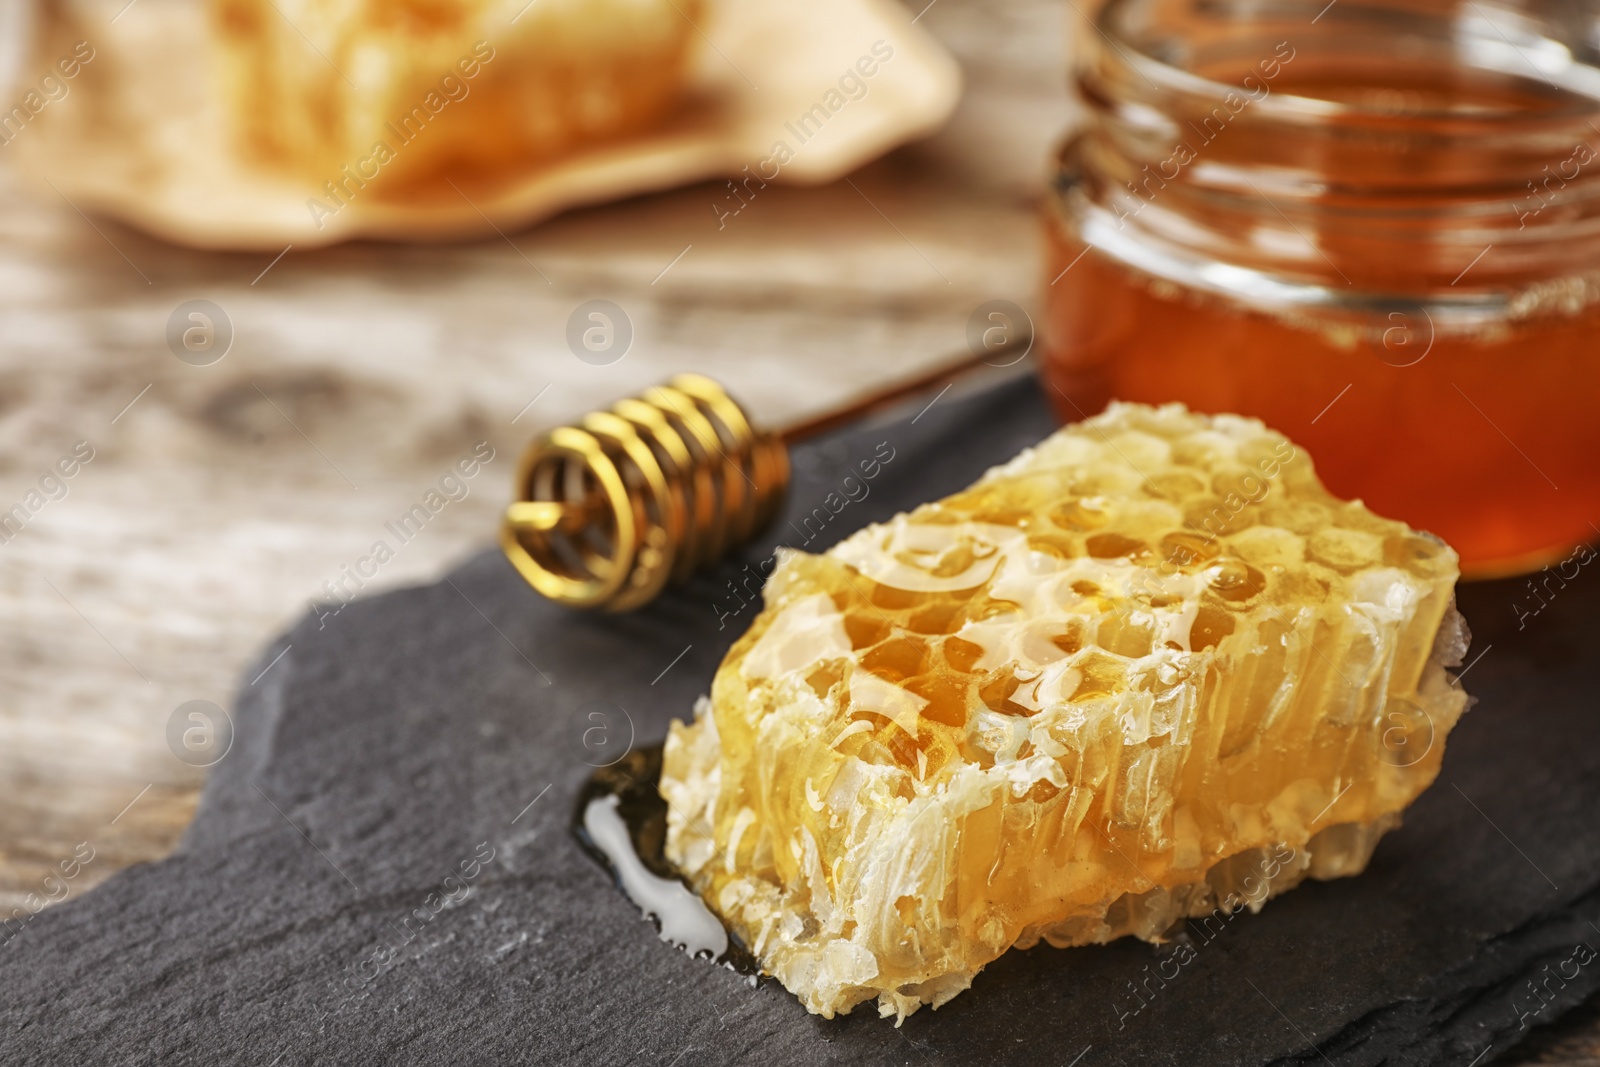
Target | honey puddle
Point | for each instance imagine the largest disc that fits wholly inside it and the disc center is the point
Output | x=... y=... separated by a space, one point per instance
x=621 y=822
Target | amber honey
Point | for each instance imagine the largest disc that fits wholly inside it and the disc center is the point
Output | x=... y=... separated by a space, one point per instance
x=1377 y=232
x=1491 y=444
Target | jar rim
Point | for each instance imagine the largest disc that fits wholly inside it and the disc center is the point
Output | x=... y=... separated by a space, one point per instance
x=1581 y=84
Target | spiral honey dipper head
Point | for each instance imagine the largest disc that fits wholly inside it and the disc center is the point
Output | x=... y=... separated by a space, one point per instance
x=610 y=510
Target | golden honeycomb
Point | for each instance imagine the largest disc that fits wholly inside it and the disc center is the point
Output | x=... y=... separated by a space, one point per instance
x=1149 y=669
x=316 y=86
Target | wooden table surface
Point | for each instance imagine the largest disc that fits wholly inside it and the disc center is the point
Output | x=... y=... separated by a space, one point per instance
x=219 y=499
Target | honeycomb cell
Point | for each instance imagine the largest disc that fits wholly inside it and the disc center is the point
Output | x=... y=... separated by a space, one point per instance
x=1145 y=666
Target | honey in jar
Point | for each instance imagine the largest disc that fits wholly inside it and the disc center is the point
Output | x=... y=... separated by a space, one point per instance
x=1376 y=228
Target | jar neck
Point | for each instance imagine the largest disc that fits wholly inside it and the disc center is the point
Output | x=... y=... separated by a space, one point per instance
x=1427 y=150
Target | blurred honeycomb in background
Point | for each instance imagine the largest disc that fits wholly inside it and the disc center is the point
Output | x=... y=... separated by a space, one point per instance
x=1148 y=669
x=522 y=82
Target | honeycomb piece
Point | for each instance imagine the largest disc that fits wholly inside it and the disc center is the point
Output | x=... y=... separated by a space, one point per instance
x=315 y=86
x=1150 y=669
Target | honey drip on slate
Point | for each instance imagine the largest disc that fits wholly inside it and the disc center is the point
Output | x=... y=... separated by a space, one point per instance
x=621 y=821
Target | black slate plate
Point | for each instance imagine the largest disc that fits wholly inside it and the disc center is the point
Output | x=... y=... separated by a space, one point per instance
x=389 y=752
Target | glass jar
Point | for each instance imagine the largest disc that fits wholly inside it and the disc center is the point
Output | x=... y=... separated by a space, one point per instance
x=1375 y=227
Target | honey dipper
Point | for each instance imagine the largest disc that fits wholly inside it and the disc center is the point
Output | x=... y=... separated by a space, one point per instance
x=613 y=507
